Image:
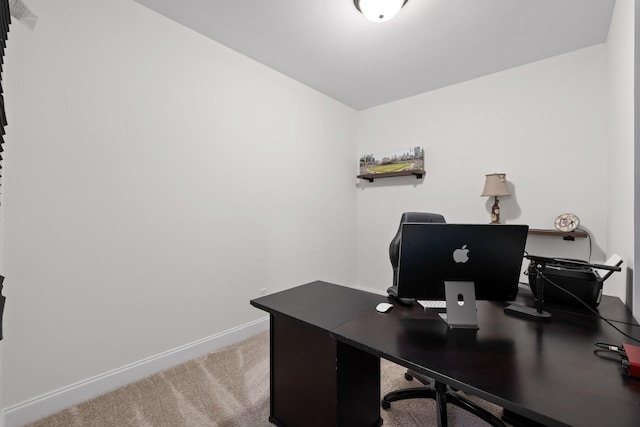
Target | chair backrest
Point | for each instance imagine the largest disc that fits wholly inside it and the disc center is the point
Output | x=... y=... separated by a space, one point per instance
x=394 y=246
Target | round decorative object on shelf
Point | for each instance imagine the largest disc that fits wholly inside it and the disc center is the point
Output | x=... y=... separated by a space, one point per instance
x=567 y=222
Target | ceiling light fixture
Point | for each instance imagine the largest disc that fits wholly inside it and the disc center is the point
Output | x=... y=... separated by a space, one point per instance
x=379 y=10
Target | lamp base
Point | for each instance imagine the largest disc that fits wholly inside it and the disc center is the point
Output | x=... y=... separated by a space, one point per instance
x=495 y=211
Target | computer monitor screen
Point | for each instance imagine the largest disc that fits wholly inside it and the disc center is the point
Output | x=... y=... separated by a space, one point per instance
x=489 y=255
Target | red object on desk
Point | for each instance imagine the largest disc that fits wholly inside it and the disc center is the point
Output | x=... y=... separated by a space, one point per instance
x=633 y=360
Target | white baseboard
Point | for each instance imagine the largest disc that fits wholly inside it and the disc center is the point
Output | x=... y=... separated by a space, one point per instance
x=57 y=400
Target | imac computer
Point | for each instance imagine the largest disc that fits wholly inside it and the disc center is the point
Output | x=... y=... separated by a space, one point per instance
x=460 y=263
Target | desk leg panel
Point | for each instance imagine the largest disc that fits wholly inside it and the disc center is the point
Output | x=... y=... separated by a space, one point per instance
x=303 y=374
x=358 y=387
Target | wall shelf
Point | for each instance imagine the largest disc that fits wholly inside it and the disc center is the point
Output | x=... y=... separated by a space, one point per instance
x=370 y=177
x=566 y=235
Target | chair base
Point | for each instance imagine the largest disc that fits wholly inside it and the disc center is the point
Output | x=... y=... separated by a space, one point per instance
x=442 y=394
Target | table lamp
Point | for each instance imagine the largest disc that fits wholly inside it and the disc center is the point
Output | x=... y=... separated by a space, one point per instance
x=495 y=185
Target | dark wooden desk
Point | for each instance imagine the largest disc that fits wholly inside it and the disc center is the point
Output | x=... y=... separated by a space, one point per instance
x=316 y=380
x=327 y=340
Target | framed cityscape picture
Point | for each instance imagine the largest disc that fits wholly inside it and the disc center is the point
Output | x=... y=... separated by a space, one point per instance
x=399 y=163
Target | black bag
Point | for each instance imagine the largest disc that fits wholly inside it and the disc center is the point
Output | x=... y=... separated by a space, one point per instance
x=580 y=280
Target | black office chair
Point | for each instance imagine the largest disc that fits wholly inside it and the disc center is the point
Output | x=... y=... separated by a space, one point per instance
x=394 y=247
x=430 y=389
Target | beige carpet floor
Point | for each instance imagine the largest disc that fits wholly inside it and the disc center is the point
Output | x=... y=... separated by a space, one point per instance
x=228 y=388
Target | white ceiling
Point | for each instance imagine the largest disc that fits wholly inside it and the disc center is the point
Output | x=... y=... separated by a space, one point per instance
x=329 y=46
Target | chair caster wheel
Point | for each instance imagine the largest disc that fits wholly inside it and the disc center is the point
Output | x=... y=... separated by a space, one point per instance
x=408 y=377
x=385 y=405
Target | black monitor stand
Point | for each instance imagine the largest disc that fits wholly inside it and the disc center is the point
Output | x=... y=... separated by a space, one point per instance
x=533 y=312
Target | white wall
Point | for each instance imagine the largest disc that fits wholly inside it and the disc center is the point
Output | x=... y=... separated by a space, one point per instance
x=148 y=176
x=620 y=151
x=154 y=182
x=544 y=124
x=1 y=272
x=636 y=137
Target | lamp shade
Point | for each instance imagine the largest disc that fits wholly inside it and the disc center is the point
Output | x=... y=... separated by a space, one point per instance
x=379 y=10
x=495 y=184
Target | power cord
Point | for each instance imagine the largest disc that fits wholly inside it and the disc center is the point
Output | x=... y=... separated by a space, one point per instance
x=605 y=351
x=610 y=347
x=628 y=356
x=586 y=305
x=623 y=322
x=590 y=242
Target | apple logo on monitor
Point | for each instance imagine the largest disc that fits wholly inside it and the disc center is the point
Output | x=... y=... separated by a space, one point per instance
x=461 y=255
